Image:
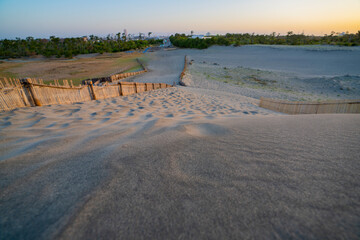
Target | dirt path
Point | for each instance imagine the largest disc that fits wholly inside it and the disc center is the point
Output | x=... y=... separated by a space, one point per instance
x=164 y=67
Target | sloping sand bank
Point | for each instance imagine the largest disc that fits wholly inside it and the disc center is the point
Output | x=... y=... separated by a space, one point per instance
x=173 y=164
x=198 y=162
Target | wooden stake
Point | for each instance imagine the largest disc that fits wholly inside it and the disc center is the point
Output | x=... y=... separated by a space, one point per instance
x=120 y=89
x=28 y=85
x=92 y=90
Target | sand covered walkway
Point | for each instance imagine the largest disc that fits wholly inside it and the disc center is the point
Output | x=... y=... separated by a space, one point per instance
x=164 y=67
x=177 y=163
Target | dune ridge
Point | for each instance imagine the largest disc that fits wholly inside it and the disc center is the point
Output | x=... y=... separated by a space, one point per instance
x=177 y=163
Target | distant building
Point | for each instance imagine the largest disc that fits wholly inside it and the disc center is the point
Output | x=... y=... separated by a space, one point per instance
x=197 y=36
x=85 y=38
x=200 y=37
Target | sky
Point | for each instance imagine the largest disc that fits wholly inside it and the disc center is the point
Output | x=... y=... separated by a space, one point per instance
x=74 y=18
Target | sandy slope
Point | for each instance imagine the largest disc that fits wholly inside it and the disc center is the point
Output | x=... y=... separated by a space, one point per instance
x=178 y=163
x=164 y=67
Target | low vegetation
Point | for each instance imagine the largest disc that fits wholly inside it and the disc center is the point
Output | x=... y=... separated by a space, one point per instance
x=183 y=41
x=68 y=47
x=77 y=69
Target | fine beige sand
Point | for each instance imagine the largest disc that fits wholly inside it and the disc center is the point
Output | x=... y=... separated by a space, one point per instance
x=177 y=163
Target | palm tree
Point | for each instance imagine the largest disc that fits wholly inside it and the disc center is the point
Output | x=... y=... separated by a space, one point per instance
x=118 y=36
x=149 y=33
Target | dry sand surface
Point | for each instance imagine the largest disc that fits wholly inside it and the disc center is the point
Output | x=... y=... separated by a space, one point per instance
x=285 y=72
x=178 y=163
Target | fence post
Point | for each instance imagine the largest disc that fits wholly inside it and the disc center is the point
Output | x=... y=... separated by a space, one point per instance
x=317 y=108
x=28 y=85
x=261 y=102
x=120 y=89
x=92 y=90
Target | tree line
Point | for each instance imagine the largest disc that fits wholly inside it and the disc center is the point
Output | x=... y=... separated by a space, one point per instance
x=69 y=47
x=183 y=41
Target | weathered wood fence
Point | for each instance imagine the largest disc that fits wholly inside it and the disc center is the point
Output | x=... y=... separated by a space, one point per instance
x=29 y=92
x=183 y=72
x=291 y=107
x=116 y=77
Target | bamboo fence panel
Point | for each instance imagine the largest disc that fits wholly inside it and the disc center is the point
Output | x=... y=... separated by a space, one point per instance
x=140 y=87
x=13 y=98
x=183 y=72
x=149 y=86
x=297 y=107
x=118 y=76
x=48 y=95
x=109 y=91
x=128 y=88
x=123 y=75
x=157 y=85
x=12 y=95
x=30 y=92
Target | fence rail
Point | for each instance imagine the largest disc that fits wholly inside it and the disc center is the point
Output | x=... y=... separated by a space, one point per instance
x=290 y=107
x=30 y=92
x=118 y=76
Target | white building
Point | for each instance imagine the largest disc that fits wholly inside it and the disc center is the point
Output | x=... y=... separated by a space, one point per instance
x=197 y=36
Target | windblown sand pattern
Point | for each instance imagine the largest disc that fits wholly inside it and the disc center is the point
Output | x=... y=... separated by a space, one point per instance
x=178 y=163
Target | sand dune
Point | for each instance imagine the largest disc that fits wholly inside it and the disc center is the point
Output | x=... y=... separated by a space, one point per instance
x=177 y=163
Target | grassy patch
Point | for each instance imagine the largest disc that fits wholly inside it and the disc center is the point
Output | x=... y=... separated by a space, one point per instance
x=134 y=69
x=5 y=69
x=75 y=69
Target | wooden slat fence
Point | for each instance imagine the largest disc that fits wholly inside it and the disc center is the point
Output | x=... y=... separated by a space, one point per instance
x=116 y=77
x=30 y=92
x=292 y=107
x=183 y=72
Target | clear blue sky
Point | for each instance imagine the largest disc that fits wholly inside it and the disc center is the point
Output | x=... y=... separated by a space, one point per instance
x=65 y=18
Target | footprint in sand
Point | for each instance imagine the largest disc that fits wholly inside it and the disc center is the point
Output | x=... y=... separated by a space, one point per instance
x=65 y=125
x=72 y=111
x=5 y=124
x=31 y=124
x=104 y=120
x=51 y=125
